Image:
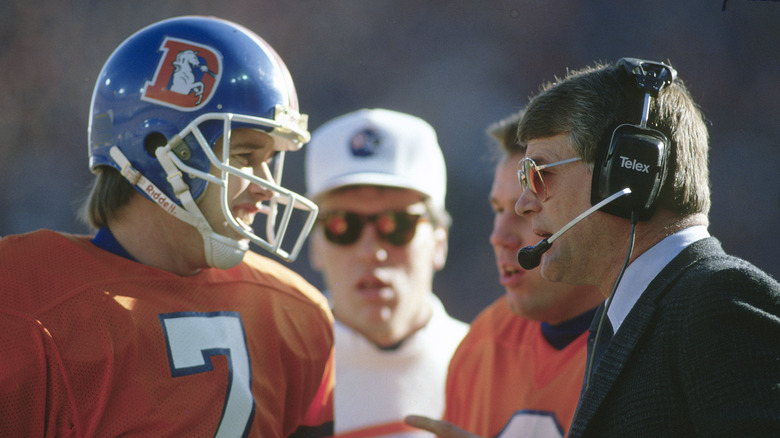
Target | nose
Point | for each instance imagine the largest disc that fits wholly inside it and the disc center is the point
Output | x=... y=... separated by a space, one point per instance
x=502 y=234
x=511 y=231
x=527 y=203
x=259 y=193
x=370 y=247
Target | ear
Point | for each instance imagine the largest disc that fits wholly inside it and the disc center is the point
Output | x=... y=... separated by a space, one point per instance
x=440 y=250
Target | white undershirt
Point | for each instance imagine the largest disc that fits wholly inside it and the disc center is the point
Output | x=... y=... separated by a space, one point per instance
x=375 y=386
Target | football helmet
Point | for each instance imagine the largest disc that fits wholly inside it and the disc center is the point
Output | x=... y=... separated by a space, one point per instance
x=164 y=98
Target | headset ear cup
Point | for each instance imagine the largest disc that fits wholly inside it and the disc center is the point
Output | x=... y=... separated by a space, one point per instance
x=636 y=158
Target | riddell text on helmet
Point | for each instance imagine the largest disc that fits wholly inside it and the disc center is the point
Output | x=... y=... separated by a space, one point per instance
x=160 y=198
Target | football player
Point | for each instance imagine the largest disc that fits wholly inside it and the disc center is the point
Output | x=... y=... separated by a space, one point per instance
x=164 y=323
x=519 y=370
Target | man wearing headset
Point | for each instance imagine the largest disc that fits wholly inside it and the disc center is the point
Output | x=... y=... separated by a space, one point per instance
x=688 y=345
x=695 y=344
x=531 y=340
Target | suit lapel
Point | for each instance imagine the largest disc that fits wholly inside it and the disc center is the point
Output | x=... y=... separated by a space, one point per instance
x=620 y=347
x=632 y=329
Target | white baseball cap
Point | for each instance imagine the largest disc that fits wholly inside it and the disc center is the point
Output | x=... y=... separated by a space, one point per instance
x=376 y=147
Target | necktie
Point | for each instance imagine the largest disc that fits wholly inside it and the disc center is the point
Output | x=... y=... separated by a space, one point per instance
x=596 y=349
x=604 y=336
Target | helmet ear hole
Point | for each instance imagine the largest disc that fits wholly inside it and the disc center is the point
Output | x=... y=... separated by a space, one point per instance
x=153 y=141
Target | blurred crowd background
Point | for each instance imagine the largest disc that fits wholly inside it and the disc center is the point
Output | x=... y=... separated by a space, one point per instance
x=461 y=65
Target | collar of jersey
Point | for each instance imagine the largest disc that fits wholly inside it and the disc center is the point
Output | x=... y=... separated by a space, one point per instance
x=106 y=241
x=563 y=334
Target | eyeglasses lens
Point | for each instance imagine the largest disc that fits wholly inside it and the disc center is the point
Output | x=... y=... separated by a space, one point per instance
x=531 y=177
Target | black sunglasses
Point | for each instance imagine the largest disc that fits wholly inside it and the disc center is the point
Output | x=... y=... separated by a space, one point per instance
x=345 y=227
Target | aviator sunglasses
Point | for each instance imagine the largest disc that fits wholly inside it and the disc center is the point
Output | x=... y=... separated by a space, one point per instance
x=345 y=227
x=530 y=175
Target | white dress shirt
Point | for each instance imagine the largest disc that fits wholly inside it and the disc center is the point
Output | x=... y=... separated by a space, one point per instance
x=645 y=268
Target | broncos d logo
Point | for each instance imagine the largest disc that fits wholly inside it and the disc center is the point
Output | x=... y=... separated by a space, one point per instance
x=183 y=80
x=186 y=77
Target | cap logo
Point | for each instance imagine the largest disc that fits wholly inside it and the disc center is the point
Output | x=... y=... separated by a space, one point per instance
x=365 y=143
x=186 y=77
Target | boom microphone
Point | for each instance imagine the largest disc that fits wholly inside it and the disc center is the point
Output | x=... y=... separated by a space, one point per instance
x=530 y=256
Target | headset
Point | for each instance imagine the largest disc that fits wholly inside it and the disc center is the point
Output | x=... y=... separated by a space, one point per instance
x=635 y=156
x=635 y=159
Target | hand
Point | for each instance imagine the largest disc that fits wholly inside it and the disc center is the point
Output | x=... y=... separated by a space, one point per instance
x=441 y=428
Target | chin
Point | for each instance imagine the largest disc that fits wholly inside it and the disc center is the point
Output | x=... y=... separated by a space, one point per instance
x=549 y=270
x=230 y=233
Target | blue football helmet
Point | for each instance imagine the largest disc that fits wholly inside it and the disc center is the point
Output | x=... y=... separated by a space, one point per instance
x=164 y=98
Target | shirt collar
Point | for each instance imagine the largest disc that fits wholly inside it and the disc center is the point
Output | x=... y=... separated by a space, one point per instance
x=645 y=268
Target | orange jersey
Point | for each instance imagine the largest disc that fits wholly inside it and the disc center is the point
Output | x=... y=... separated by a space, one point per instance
x=506 y=380
x=93 y=344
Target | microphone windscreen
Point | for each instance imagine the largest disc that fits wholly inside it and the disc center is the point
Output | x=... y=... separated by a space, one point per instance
x=530 y=256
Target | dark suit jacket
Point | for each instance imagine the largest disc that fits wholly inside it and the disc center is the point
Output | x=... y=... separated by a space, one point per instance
x=698 y=355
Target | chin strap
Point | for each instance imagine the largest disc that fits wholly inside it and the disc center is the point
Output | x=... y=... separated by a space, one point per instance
x=221 y=252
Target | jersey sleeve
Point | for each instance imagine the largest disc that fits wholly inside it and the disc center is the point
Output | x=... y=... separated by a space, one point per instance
x=35 y=399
